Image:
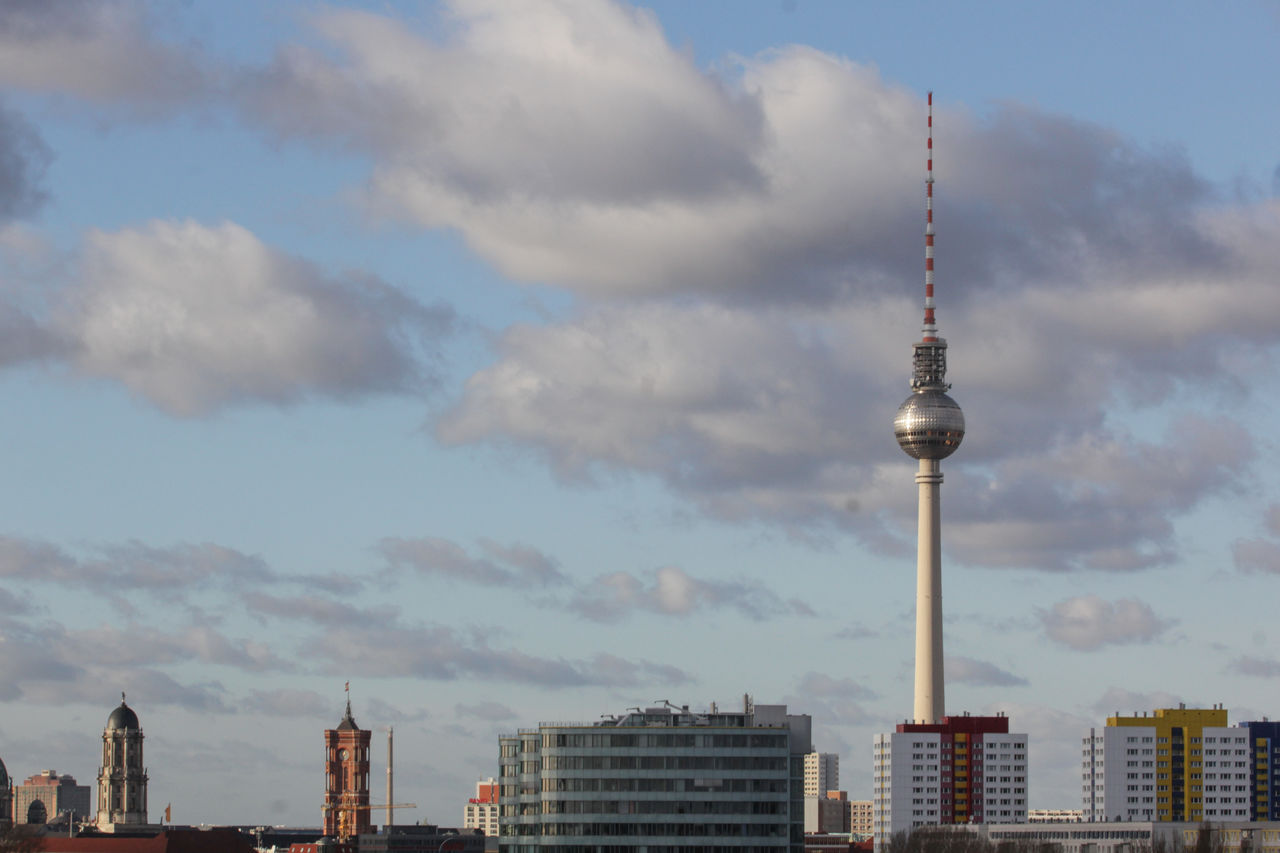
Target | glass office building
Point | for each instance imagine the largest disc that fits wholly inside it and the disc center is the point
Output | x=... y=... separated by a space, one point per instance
x=661 y=780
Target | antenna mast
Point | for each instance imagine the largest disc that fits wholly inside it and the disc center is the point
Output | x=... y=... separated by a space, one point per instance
x=930 y=325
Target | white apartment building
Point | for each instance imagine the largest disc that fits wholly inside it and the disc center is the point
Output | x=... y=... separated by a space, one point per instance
x=964 y=770
x=481 y=811
x=1174 y=769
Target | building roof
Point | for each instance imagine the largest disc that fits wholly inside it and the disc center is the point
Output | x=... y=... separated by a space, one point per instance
x=123 y=717
x=348 y=723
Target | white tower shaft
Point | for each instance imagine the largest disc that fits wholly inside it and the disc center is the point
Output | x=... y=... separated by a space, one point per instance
x=930 y=699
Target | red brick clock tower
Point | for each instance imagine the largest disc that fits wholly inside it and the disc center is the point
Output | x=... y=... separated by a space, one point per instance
x=346 y=794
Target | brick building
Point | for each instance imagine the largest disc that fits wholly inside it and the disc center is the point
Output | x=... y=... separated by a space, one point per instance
x=346 y=793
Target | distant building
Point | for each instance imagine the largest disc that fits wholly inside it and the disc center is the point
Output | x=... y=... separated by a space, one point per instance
x=46 y=795
x=421 y=839
x=962 y=770
x=1054 y=815
x=122 y=776
x=1264 y=770
x=6 y=798
x=821 y=773
x=1177 y=764
x=481 y=811
x=665 y=778
x=154 y=840
x=861 y=821
x=1129 y=836
x=828 y=814
x=346 y=791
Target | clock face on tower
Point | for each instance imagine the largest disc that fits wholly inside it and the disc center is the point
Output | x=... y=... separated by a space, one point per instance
x=343 y=755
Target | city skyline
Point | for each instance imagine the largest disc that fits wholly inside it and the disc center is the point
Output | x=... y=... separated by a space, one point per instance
x=522 y=362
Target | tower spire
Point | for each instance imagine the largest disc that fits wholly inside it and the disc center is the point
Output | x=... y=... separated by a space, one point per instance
x=930 y=331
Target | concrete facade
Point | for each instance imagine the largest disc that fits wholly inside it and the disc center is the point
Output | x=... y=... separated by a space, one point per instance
x=44 y=796
x=828 y=814
x=861 y=817
x=1176 y=764
x=821 y=773
x=663 y=778
x=960 y=771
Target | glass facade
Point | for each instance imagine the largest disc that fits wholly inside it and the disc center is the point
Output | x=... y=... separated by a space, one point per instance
x=658 y=781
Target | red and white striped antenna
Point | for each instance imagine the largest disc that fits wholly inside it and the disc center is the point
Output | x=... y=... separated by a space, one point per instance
x=930 y=325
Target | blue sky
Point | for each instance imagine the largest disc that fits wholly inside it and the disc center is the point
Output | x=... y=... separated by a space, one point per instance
x=524 y=362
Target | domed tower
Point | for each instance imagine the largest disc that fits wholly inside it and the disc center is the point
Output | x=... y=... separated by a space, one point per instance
x=929 y=427
x=122 y=777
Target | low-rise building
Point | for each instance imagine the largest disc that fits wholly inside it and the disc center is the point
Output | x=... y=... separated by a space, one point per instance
x=1127 y=836
x=664 y=778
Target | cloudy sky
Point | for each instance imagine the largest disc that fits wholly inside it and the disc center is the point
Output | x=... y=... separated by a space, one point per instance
x=525 y=362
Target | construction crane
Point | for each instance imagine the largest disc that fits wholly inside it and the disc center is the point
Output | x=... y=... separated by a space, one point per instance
x=346 y=814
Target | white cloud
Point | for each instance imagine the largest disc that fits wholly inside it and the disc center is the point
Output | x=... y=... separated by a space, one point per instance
x=1120 y=700
x=388 y=649
x=286 y=702
x=783 y=415
x=1256 y=555
x=1260 y=555
x=674 y=592
x=23 y=160
x=104 y=51
x=824 y=686
x=753 y=403
x=1260 y=667
x=132 y=566
x=486 y=710
x=506 y=565
x=966 y=670
x=1087 y=622
x=195 y=318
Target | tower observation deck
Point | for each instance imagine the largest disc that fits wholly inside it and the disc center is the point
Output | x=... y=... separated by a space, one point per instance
x=929 y=426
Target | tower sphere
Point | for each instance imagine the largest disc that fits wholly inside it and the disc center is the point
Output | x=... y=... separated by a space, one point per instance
x=929 y=425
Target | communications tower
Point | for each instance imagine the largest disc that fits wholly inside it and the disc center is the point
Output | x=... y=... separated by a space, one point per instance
x=929 y=427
